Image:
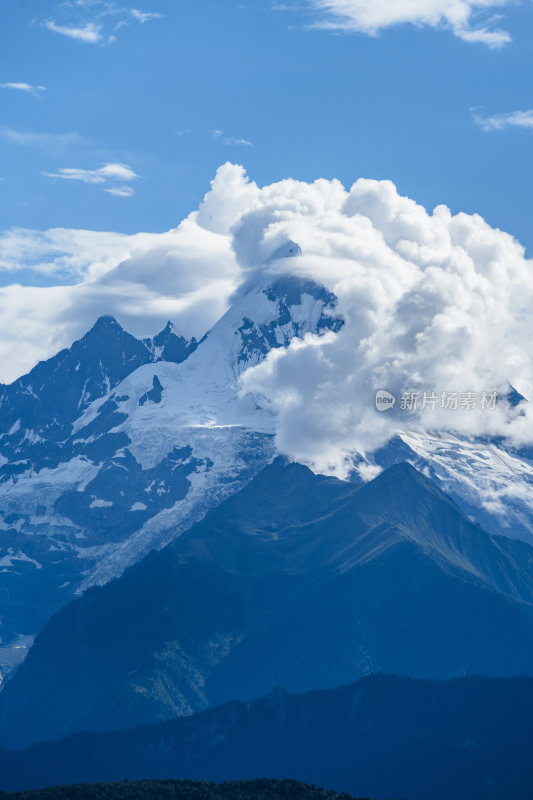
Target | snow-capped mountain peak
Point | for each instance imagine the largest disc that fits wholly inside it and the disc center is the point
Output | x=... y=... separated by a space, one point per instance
x=135 y=441
x=169 y=345
x=269 y=316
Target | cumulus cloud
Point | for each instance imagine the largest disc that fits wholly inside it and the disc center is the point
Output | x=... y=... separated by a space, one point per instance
x=24 y=87
x=432 y=303
x=111 y=173
x=372 y=16
x=497 y=122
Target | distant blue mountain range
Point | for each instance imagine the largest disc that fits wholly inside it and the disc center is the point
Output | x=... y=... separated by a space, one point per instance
x=384 y=737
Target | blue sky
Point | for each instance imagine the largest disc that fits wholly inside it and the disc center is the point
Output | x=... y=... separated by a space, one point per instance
x=286 y=98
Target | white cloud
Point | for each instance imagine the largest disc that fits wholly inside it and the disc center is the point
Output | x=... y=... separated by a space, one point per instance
x=95 y=21
x=108 y=171
x=145 y=16
x=372 y=16
x=113 y=173
x=230 y=141
x=62 y=254
x=494 y=39
x=186 y=274
x=90 y=33
x=24 y=87
x=497 y=122
x=237 y=142
x=120 y=191
x=431 y=302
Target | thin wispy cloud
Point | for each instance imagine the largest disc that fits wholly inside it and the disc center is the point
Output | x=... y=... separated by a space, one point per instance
x=96 y=21
x=466 y=19
x=113 y=177
x=230 y=141
x=145 y=16
x=112 y=171
x=237 y=142
x=90 y=33
x=52 y=143
x=120 y=191
x=36 y=91
x=493 y=39
x=498 y=122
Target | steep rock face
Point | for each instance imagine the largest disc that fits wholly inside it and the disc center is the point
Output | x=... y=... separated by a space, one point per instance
x=168 y=345
x=298 y=580
x=116 y=446
x=37 y=411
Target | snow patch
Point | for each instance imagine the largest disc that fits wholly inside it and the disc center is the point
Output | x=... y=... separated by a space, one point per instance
x=97 y=503
x=14 y=428
x=12 y=558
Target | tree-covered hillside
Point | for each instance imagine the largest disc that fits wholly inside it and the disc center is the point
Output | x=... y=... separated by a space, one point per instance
x=181 y=790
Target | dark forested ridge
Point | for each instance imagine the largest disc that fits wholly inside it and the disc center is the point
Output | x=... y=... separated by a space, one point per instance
x=181 y=790
x=383 y=737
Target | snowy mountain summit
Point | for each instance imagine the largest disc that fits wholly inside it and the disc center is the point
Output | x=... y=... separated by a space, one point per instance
x=116 y=445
